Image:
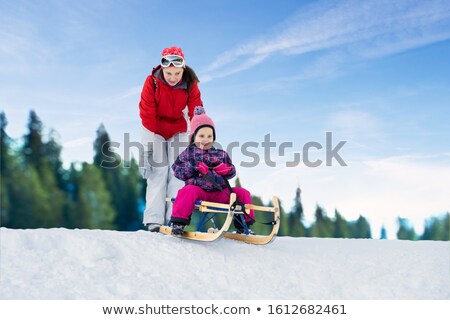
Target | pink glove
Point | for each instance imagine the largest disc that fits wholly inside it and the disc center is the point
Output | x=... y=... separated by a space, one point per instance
x=203 y=168
x=222 y=169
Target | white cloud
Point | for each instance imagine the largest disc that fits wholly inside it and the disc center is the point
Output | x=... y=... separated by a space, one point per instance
x=359 y=126
x=130 y=94
x=78 y=150
x=38 y=37
x=367 y=29
x=79 y=142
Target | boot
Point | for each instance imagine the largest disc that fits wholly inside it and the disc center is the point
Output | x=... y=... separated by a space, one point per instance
x=153 y=227
x=177 y=229
x=241 y=230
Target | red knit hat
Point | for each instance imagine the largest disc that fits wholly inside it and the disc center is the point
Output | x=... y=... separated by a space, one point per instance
x=172 y=51
x=199 y=121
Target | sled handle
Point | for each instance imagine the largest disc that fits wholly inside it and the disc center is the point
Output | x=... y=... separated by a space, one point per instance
x=227 y=206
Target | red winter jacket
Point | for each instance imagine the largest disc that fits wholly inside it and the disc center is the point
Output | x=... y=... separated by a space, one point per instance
x=161 y=110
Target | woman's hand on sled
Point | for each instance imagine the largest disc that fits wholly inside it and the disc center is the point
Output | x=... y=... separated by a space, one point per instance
x=222 y=169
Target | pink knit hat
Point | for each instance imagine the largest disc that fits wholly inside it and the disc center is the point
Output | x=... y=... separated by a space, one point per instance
x=199 y=121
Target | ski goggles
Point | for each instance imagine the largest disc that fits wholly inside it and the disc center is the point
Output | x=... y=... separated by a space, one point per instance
x=176 y=61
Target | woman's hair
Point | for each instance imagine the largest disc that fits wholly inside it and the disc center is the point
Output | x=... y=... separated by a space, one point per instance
x=189 y=77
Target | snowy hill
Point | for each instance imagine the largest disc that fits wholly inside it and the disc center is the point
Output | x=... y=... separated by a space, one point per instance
x=94 y=264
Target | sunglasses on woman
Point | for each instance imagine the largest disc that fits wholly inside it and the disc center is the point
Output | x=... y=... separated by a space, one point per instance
x=176 y=61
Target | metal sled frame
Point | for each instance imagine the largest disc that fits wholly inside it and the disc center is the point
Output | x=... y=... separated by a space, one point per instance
x=211 y=209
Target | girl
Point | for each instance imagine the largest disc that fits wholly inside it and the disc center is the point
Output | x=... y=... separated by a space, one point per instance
x=198 y=160
x=167 y=93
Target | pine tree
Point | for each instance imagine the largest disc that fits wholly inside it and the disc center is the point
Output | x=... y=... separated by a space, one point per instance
x=131 y=185
x=237 y=183
x=4 y=168
x=94 y=210
x=42 y=204
x=109 y=164
x=437 y=228
x=52 y=153
x=16 y=194
x=360 y=229
x=446 y=227
x=124 y=183
x=5 y=141
x=71 y=214
x=44 y=158
x=104 y=157
x=30 y=205
x=340 y=229
x=56 y=198
x=295 y=217
x=4 y=201
x=298 y=207
x=323 y=226
x=405 y=230
x=33 y=148
x=383 y=234
x=430 y=229
x=60 y=177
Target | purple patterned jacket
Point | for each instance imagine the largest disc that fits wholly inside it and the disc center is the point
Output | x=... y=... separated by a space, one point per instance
x=185 y=167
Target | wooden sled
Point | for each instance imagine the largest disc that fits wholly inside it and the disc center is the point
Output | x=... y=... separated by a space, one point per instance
x=213 y=234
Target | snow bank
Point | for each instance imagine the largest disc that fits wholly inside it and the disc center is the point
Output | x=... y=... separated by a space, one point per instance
x=96 y=264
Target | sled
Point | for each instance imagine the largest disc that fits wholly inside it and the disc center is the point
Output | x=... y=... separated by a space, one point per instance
x=206 y=207
x=232 y=211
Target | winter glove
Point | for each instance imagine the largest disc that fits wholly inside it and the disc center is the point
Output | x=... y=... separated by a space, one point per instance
x=203 y=168
x=222 y=169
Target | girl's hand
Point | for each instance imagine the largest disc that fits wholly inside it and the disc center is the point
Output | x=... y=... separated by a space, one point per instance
x=202 y=167
x=222 y=169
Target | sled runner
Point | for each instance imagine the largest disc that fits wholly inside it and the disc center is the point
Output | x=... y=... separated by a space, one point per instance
x=232 y=211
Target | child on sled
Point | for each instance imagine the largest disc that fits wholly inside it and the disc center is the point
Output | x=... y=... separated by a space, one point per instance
x=201 y=158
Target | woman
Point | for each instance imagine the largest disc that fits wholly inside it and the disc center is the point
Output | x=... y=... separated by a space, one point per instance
x=169 y=97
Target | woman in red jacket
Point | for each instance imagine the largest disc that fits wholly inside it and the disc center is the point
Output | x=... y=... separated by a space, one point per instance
x=169 y=97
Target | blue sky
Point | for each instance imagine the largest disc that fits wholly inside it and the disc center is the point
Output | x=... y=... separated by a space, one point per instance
x=374 y=73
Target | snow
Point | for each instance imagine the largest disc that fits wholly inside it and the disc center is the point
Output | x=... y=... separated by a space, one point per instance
x=99 y=264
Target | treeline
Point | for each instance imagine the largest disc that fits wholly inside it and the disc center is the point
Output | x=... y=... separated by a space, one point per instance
x=435 y=228
x=293 y=225
x=38 y=192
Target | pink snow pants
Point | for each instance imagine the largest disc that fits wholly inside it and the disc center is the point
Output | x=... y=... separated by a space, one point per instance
x=184 y=204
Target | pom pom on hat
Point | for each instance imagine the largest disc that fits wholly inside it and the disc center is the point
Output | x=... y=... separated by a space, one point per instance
x=172 y=51
x=198 y=111
x=200 y=120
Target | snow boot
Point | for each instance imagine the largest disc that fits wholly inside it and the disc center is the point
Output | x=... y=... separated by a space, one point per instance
x=153 y=227
x=239 y=225
x=177 y=229
x=241 y=230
